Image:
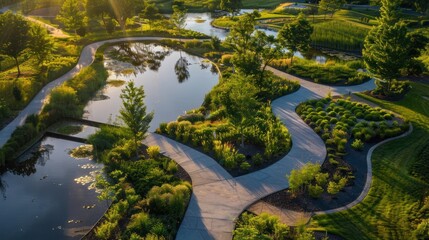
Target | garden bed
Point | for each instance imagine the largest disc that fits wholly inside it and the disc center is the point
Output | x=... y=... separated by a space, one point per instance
x=349 y=129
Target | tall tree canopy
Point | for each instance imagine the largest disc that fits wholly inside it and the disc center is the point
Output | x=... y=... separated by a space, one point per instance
x=296 y=36
x=386 y=47
x=232 y=6
x=72 y=15
x=41 y=45
x=14 y=35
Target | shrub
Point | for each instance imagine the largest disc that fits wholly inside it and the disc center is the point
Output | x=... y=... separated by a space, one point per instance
x=257 y=159
x=191 y=117
x=153 y=152
x=315 y=190
x=358 y=145
x=105 y=230
x=245 y=166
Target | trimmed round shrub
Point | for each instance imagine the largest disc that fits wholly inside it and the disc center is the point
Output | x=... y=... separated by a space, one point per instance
x=358 y=145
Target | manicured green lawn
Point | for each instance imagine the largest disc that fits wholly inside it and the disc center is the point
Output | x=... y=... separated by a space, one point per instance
x=392 y=208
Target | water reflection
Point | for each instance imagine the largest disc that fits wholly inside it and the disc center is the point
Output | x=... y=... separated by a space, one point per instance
x=181 y=68
x=176 y=82
x=44 y=185
x=141 y=56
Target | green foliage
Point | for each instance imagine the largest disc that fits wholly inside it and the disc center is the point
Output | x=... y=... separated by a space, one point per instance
x=178 y=18
x=15 y=35
x=133 y=112
x=387 y=46
x=231 y=6
x=315 y=191
x=295 y=35
x=299 y=179
x=41 y=45
x=358 y=145
x=328 y=73
x=263 y=226
x=339 y=35
x=72 y=15
x=153 y=151
x=105 y=230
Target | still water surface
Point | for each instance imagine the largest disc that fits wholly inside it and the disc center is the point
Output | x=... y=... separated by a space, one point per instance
x=173 y=82
x=49 y=197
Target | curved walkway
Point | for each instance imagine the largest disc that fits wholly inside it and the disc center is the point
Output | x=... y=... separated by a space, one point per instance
x=218 y=198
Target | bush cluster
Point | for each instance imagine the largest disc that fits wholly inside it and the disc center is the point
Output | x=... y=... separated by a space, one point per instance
x=328 y=73
x=145 y=191
x=220 y=139
x=342 y=122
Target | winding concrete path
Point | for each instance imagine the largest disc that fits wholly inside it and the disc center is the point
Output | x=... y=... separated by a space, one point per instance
x=218 y=198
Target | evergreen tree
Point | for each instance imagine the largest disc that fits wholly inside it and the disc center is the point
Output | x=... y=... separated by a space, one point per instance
x=386 y=49
x=133 y=112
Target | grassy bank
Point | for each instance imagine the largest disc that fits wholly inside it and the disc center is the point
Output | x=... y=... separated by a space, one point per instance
x=66 y=100
x=397 y=202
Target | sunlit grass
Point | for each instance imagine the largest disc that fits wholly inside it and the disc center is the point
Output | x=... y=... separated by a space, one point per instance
x=391 y=209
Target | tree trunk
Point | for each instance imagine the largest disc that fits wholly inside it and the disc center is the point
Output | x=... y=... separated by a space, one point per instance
x=17 y=66
x=291 y=59
x=242 y=140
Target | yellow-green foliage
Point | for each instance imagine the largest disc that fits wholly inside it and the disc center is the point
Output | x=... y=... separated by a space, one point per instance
x=153 y=151
x=339 y=35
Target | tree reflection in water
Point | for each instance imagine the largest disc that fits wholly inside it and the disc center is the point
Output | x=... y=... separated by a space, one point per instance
x=141 y=56
x=26 y=165
x=181 y=68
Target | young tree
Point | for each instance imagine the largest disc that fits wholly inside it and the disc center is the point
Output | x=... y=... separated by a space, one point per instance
x=98 y=9
x=385 y=49
x=14 y=36
x=300 y=178
x=133 y=112
x=72 y=15
x=121 y=10
x=242 y=40
x=296 y=36
x=178 y=18
x=239 y=99
x=151 y=13
x=41 y=45
x=269 y=49
x=231 y=6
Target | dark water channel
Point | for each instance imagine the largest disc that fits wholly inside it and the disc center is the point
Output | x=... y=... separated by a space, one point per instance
x=51 y=195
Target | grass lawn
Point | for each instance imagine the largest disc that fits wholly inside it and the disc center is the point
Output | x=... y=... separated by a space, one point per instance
x=393 y=206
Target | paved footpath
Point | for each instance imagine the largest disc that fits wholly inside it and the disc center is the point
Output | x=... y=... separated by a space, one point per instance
x=218 y=198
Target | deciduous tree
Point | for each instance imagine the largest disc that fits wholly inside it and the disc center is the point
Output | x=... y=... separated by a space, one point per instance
x=178 y=18
x=296 y=36
x=41 y=45
x=14 y=36
x=72 y=15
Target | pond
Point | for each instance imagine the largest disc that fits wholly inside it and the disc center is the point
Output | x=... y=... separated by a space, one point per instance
x=173 y=81
x=201 y=22
x=49 y=195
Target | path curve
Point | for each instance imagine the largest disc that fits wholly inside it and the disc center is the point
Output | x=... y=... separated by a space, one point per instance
x=218 y=198
x=368 y=181
x=86 y=58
